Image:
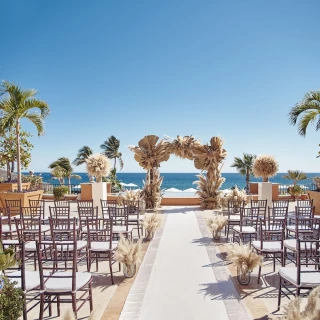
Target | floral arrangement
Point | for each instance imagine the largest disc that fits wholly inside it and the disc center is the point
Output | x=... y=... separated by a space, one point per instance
x=127 y=251
x=235 y=195
x=311 y=311
x=216 y=224
x=151 y=224
x=265 y=166
x=132 y=195
x=243 y=257
x=98 y=166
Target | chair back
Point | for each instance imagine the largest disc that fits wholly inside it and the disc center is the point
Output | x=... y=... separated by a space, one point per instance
x=133 y=206
x=307 y=228
x=63 y=229
x=14 y=206
x=99 y=230
x=106 y=204
x=38 y=205
x=11 y=273
x=33 y=212
x=248 y=217
x=280 y=213
x=305 y=203
x=234 y=206
x=29 y=228
x=59 y=212
x=271 y=229
x=280 y=203
x=308 y=257
x=306 y=212
x=6 y=222
x=61 y=203
x=57 y=260
x=261 y=205
x=85 y=204
x=119 y=215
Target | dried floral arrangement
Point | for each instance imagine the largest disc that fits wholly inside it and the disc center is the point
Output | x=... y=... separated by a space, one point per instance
x=310 y=312
x=265 y=166
x=128 y=252
x=98 y=166
x=183 y=147
x=217 y=223
x=235 y=195
x=132 y=195
x=151 y=223
x=243 y=257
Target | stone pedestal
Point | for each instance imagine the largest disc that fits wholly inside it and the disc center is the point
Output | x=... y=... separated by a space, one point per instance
x=265 y=192
x=99 y=192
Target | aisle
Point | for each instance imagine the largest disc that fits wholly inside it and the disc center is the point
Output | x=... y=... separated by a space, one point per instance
x=182 y=282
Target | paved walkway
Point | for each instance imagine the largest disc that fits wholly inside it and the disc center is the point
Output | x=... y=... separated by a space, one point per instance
x=182 y=277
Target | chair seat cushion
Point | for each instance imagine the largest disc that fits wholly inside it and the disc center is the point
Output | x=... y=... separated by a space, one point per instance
x=103 y=245
x=245 y=229
x=80 y=245
x=134 y=217
x=44 y=228
x=121 y=229
x=6 y=228
x=32 y=279
x=291 y=244
x=268 y=246
x=308 y=279
x=302 y=228
x=234 y=217
x=10 y=242
x=59 y=283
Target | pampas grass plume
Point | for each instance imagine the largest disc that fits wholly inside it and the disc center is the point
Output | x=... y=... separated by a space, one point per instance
x=243 y=257
x=151 y=222
x=127 y=251
x=98 y=166
x=217 y=223
x=265 y=166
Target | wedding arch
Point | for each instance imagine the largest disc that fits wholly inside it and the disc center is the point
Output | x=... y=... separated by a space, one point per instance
x=208 y=158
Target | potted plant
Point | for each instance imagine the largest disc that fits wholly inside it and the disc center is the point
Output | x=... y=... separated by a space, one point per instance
x=265 y=167
x=60 y=192
x=18 y=104
x=245 y=260
x=129 y=254
x=151 y=224
x=98 y=166
x=11 y=297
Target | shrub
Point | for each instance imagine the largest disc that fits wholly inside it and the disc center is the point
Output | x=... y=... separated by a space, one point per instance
x=296 y=191
x=11 y=301
x=60 y=192
x=35 y=181
x=316 y=180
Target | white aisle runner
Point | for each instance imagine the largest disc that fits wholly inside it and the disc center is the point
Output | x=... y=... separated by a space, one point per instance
x=182 y=284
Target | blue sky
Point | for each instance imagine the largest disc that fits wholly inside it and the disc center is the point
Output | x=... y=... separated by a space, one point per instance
x=132 y=68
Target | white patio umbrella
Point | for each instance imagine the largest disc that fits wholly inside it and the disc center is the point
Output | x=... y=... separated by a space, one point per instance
x=131 y=185
x=190 y=190
x=173 y=190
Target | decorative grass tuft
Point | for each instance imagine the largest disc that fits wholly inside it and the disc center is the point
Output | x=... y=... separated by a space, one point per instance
x=151 y=222
x=265 y=166
x=311 y=311
x=132 y=195
x=217 y=223
x=243 y=257
x=235 y=195
x=128 y=252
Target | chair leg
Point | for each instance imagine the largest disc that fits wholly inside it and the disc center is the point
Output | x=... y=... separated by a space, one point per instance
x=58 y=306
x=41 y=311
x=279 y=296
x=259 y=274
x=274 y=263
x=97 y=262
x=74 y=304
x=24 y=308
x=298 y=292
x=110 y=267
x=90 y=298
x=138 y=227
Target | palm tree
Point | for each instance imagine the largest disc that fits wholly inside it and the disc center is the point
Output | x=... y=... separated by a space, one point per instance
x=64 y=164
x=113 y=179
x=16 y=105
x=309 y=110
x=111 y=150
x=295 y=176
x=83 y=154
x=244 y=166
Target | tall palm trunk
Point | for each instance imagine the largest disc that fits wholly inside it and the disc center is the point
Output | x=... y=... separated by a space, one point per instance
x=12 y=166
x=8 y=171
x=115 y=162
x=69 y=184
x=247 y=181
x=18 y=156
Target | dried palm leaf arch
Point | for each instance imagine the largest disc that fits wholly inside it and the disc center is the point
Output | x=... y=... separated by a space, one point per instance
x=208 y=158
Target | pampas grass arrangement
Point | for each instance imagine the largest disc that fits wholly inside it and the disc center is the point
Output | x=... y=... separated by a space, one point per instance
x=216 y=224
x=98 y=166
x=235 y=195
x=132 y=195
x=265 y=166
x=129 y=254
x=311 y=311
x=183 y=147
x=151 y=223
x=244 y=258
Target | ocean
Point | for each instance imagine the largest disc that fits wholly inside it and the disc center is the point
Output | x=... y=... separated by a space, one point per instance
x=181 y=181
